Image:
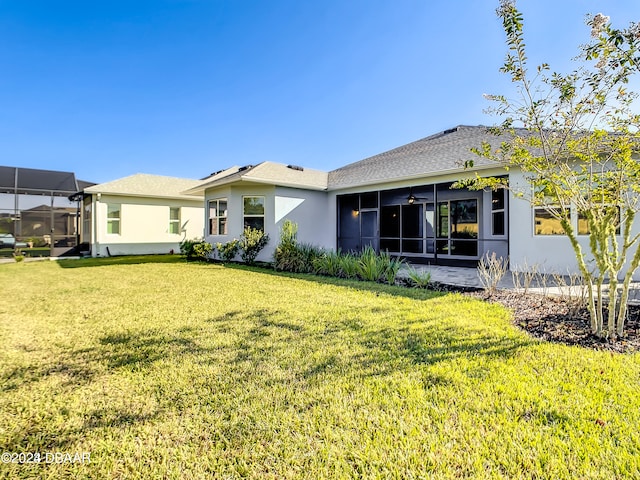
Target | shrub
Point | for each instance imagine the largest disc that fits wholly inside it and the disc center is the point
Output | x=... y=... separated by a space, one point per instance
x=228 y=251
x=369 y=266
x=195 y=248
x=491 y=269
x=328 y=263
x=349 y=265
x=391 y=266
x=186 y=247
x=252 y=241
x=202 y=250
x=287 y=255
x=308 y=254
x=374 y=267
x=292 y=256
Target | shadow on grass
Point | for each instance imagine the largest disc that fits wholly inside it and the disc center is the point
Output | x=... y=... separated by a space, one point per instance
x=128 y=351
x=365 y=286
x=376 y=288
x=375 y=351
x=119 y=260
x=262 y=338
x=132 y=351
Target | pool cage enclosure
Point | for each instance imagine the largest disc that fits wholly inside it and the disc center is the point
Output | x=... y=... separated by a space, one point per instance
x=39 y=211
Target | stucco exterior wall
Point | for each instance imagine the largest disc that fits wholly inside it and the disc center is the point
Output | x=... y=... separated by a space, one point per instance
x=308 y=208
x=549 y=253
x=144 y=225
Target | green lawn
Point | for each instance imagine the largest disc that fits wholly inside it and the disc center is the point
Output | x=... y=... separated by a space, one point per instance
x=165 y=369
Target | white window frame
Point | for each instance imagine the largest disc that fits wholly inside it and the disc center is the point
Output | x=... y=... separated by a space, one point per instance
x=253 y=215
x=502 y=210
x=114 y=220
x=220 y=221
x=174 y=223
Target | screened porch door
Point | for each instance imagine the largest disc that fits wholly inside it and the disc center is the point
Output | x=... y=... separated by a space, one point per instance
x=369 y=228
x=457 y=228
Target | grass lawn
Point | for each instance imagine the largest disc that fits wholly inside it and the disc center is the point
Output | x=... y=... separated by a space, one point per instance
x=166 y=369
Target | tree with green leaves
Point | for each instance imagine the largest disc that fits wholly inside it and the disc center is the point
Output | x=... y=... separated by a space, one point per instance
x=575 y=139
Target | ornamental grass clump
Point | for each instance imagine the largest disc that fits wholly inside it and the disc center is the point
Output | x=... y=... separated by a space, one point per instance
x=292 y=256
x=419 y=278
x=329 y=263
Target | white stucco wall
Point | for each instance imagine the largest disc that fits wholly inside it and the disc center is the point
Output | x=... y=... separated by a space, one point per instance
x=144 y=225
x=308 y=208
x=550 y=253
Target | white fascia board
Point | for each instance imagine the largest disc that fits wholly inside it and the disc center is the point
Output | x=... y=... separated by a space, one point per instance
x=284 y=184
x=142 y=195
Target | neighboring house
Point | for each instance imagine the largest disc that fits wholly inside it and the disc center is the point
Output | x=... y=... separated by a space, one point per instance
x=140 y=214
x=36 y=209
x=399 y=201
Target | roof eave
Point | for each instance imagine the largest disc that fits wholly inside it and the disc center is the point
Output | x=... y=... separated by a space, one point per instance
x=142 y=195
x=437 y=173
x=301 y=186
x=253 y=180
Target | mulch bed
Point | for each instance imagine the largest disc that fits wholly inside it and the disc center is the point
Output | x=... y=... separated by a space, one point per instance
x=557 y=320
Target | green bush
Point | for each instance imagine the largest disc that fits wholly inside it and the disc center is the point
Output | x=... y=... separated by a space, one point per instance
x=349 y=265
x=292 y=256
x=390 y=266
x=296 y=257
x=252 y=241
x=309 y=254
x=202 y=250
x=328 y=263
x=195 y=248
x=369 y=268
x=186 y=247
x=228 y=251
x=286 y=255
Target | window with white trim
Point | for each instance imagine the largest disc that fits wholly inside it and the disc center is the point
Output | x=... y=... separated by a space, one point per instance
x=218 y=216
x=174 y=220
x=498 y=218
x=113 y=218
x=253 y=212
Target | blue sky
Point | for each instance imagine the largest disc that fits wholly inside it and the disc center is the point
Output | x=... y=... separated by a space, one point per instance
x=186 y=87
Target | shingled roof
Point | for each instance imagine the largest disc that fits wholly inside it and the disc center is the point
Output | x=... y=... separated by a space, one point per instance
x=269 y=173
x=441 y=153
x=145 y=185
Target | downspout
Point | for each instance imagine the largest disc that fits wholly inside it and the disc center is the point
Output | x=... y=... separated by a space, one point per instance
x=94 y=224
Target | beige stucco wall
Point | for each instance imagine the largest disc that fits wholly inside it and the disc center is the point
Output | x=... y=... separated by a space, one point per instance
x=144 y=225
